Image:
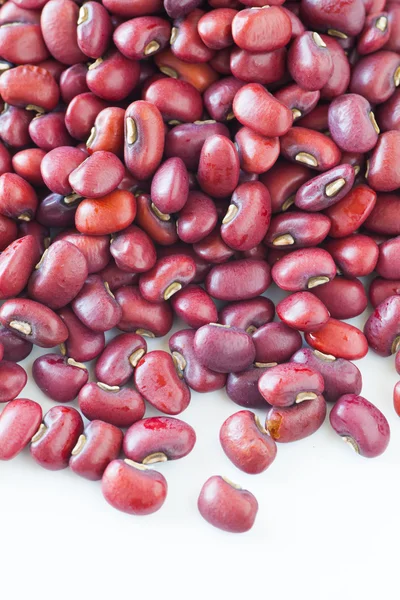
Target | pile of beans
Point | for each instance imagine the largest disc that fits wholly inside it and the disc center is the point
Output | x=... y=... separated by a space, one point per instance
x=164 y=158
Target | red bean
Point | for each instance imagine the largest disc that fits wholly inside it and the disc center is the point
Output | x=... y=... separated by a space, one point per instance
x=346 y=19
x=170 y=186
x=168 y=276
x=200 y=75
x=14 y=349
x=13 y=379
x=248 y=314
x=221 y=282
x=218 y=171
x=289 y=384
x=95 y=449
x=376 y=76
x=388 y=265
x=98 y=175
x=224 y=349
x=310 y=148
x=118 y=406
x=113 y=77
x=140 y=316
x=108 y=132
x=215 y=28
x=186 y=43
x=344 y=298
x=383 y=174
x=82 y=343
x=304 y=269
x=213 y=249
x=303 y=311
x=81 y=114
x=275 y=343
x=40 y=233
x=133 y=250
x=133 y=8
x=258 y=67
x=339 y=80
x=73 y=82
x=56 y=167
x=94 y=29
x=257 y=154
x=96 y=249
x=227 y=506
x=186 y=141
x=350 y=213
x=257 y=109
x=110 y=213
x=58 y=22
x=297 y=229
x=19 y=421
x=194 y=306
x=352 y=123
x=116 y=363
x=8 y=231
x=29 y=87
x=309 y=61
x=59 y=378
x=385 y=217
x=380 y=289
x=300 y=101
x=382 y=329
x=96 y=306
x=355 y=255
x=325 y=190
x=242 y=387
x=261 y=29
x=144 y=139
x=283 y=180
x=296 y=422
x=142 y=37
x=339 y=339
x=180 y=8
x=22 y=43
x=49 y=131
x=14 y=125
x=197 y=218
x=16 y=264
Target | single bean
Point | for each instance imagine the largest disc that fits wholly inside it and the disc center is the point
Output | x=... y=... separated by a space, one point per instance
x=22 y=43
x=98 y=175
x=310 y=148
x=339 y=339
x=303 y=269
x=56 y=167
x=179 y=8
x=197 y=218
x=380 y=289
x=275 y=343
x=344 y=298
x=116 y=277
x=283 y=180
x=194 y=306
x=82 y=343
x=96 y=306
x=200 y=75
x=385 y=216
x=56 y=210
x=73 y=82
x=257 y=154
x=186 y=141
x=326 y=189
x=376 y=76
x=113 y=77
x=95 y=449
x=297 y=230
x=224 y=349
x=18 y=199
x=48 y=131
x=257 y=67
x=144 y=139
x=140 y=316
x=160 y=227
x=215 y=28
x=14 y=126
x=350 y=213
x=261 y=29
x=186 y=42
x=300 y=101
x=388 y=113
x=355 y=255
x=346 y=20
x=375 y=35
x=213 y=249
x=19 y=421
x=339 y=80
x=382 y=329
x=383 y=172
x=13 y=379
x=218 y=98
x=257 y=109
x=242 y=387
x=309 y=61
x=107 y=133
x=396 y=398
x=29 y=87
x=59 y=378
x=109 y=214
x=40 y=233
x=296 y=422
x=170 y=186
x=81 y=114
x=218 y=171
x=168 y=276
x=116 y=363
x=14 y=349
x=94 y=29
x=248 y=314
x=16 y=264
x=96 y=249
x=58 y=22
x=254 y=275
x=133 y=8
x=303 y=311
x=142 y=37
x=118 y=406
x=133 y=250
x=388 y=265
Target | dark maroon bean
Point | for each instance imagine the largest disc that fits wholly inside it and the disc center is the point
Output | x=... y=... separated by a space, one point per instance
x=118 y=406
x=98 y=175
x=94 y=29
x=340 y=375
x=96 y=249
x=14 y=126
x=248 y=314
x=224 y=349
x=383 y=172
x=144 y=139
x=179 y=8
x=140 y=316
x=355 y=255
x=197 y=218
x=215 y=28
x=257 y=154
x=275 y=343
x=385 y=216
x=376 y=76
x=302 y=311
x=297 y=229
x=157 y=380
x=133 y=250
x=347 y=18
x=296 y=422
x=113 y=77
x=158 y=439
x=81 y=114
x=197 y=376
x=388 y=113
x=326 y=189
x=186 y=141
x=261 y=29
x=49 y=131
x=309 y=61
x=258 y=67
x=116 y=363
x=95 y=449
x=254 y=275
x=218 y=98
x=381 y=289
x=271 y=118
x=304 y=269
x=18 y=199
x=361 y=425
x=388 y=265
x=57 y=211
x=82 y=344
x=19 y=421
x=29 y=87
x=339 y=80
x=186 y=43
x=170 y=186
x=16 y=264
x=14 y=348
x=59 y=378
x=259 y=252
x=382 y=329
x=338 y=339
x=13 y=379
x=56 y=167
x=194 y=306
x=213 y=249
x=344 y=298
x=289 y=384
x=96 y=306
x=142 y=37
x=33 y=322
x=246 y=443
x=242 y=387
x=300 y=101
x=283 y=180
x=59 y=31
x=38 y=231
x=116 y=277
x=131 y=487
x=218 y=172
x=168 y=276
x=311 y=148
x=59 y=276
x=227 y=506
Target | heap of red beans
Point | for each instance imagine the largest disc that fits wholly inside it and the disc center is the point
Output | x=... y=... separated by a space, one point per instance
x=178 y=157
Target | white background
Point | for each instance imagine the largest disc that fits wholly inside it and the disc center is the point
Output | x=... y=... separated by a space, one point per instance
x=328 y=524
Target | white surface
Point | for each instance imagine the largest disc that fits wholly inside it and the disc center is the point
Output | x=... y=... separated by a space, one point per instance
x=327 y=527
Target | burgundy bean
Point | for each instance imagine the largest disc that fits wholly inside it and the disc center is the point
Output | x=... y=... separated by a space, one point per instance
x=186 y=141
x=58 y=21
x=133 y=250
x=130 y=487
x=383 y=172
x=58 y=377
x=375 y=34
x=160 y=227
x=215 y=28
x=57 y=211
x=142 y=37
x=109 y=214
x=158 y=439
x=361 y=425
x=29 y=87
x=140 y=316
x=73 y=82
x=393 y=12
x=283 y=180
x=18 y=199
x=27 y=163
x=303 y=269
x=339 y=339
x=397 y=362
x=220 y=62
x=326 y=189
x=303 y=311
x=38 y=231
x=388 y=265
x=14 y=125
x=345 y=19
x=14 y=13
x=310 y=148
x=376 y=76
x=56 y=167
x=49 y=131
x=13 y=379
x=254 y=275
x=14 y=348
x=261 y=29
x=344 y=298
x=95 y=449
x=96 y=249
x=107 y=133
x=116 y=363
x=185 y=41
x=382 y=329
x=116 y=277
x=218 y=172
x=218 y=98
x=113 y=77
x=96 y=306
x=248 y=314
x=197 y=376
x=118 y=406
x=197 y=218
x=98 y=175
x=5 y=161
x=380 y=289
x=170 y=186
x=33 y=322
x=385 y=216
x=81 y=114
x=300 y=101
x=224 y=349
x=226 y=505
x=242 y=387
x=22 y=43
x=339 y=80
x=94 y=29
x=296 y=422
x=59 y=276
x=16 y=264
x=257 y=154
x=246 y=443
x=309 y=61
x=133 y=8
x=355 y=255
x=297 y=229
x=179 y=8
x=19 y=421
x=257 y=109
x=144 y=139
x=350 y=213
x=213 y=249
x=82 y=344
x=388 y=113
x=157 y=380
x=290 y=383
x=257 y=67
x=194 y=306
x=275 y=343
x=168 y=276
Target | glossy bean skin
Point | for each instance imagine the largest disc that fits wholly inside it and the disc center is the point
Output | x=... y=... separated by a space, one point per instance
x=17 y=262
x=339 y=339
x=14 y=126
x=382 y=329
x=116 y=363
x=257 y=109
x=33 y=322
x=96 y=249
x=134 y=8
x=326 y=189
x=168 y=276
x=158 y=439
x=19 y=421
x=96 y=306
x=303 y=269
x=18 y=199
x=388 y=265
x=59 y=378
x=297 y=230
x=116 y=277
x=186 y=141
x=132 y=490
x=51 y=446
x=388 y=113
x=384 y=217
x=242 y=387
x=361 y=425
x=138 y=315
x=246 y=443
x=275 y=343
x=355 y=255
x=350 y=213
x=107 y=133
x=109 y=214
x=352 y=123
x=339 y=79
x=283 y=180
x=59 y=276
x=22 y=43
x=133 y=250
x=248 y=314
x=219 y=96
x=94 y=29
x=257 y=154
x=170 y=186
x=397 y=362
x=218 y=171
x=160 y=227
x=262 y=30
x=380 y=289
x=197 y=376
x=179 y=8
x=13 y=379
x=98 y=175
x=227 y=506
x=383 y=174
x=215 y=28
x=290 y=383
x=14 y=349
x=73 y=82
x=82 y=343
x=143 y=122
x=142 y=37
x=29 y=86
x=175 y=99
x=57 y=166
x=39 y=232
x=309 y=61
x=224 y=349
x=185 y=40
x=81 y=114
x=59 y=31
x=311 y=148
x=257 y=67
x=213 y=249
x=5 y=161
x=159 y=383
x=344 y=298
x=303 y=311
x=48 y=131
x=96 y=448
x=113 y=77
x=293 y=423
x=347 y=18
x=255 y=275
x=194 y=306
x=118 y=406
x=56 y=210
x=300 y=101
x=375 y=76
x=197 y=218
